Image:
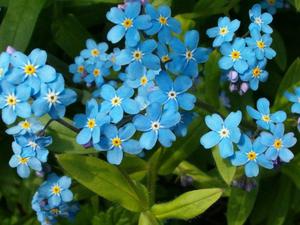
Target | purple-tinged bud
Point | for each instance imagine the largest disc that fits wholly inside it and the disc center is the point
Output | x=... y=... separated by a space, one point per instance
x=10 y=50
x=244 y=88
x=186 y=181
x=233 y=87
x=88 y=145
x=233 y=76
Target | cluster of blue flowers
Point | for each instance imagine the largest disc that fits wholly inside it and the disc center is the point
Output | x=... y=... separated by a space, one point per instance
x=152 y=104
x=267 y=149
x=54 y=199
x=244 y=58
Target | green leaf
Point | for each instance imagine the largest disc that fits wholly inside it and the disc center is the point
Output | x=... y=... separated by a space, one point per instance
x=279 y=46
x=135 y=166
x=106 y=180
x=226 y=170
x=240 y=205
x=296 y=4
x=290 y=79
x=70 y=35
x=187 y=205
x=19 y=22
x=81 y=3
x=147 y=218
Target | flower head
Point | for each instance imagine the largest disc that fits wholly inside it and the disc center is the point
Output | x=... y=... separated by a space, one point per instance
x=295 y=98
x=30 y=125
x=94 y=51
x=272 y=5
x=260 y=21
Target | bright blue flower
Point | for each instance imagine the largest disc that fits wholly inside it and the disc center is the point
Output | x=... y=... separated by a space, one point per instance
x=173 y=94
x=116 y=102
x=251 y=155
x=111 y=60
x=156 y=125
x=94 y=51
x=236 y=56
x=78 y=69
x=223 y=133
x=30 y=125
x=119 y=141
x=31 y=70
x=224 y=32
x=4 y=64
x=128 y=22
x=295 y=98
x=181 y=128
x=96 y=73
x=139 y=57
x=260 y=21
x=263 y=117
x=278 y=143
x=90 y=123
x=56 y=190
x=162 y=23
x=186 y=56
x=13 y=102
x=256 y=74
x=53 y=99
x=272 y=5
x=261 y=45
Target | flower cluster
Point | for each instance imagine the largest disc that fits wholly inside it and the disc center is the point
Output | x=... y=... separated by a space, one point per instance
x=244 y=58
x=272 y=5
x=54 y=199
x=267 y=149
x=152 y=104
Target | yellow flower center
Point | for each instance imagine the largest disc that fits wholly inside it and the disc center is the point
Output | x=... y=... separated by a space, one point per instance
x=25 y=124
x=163 y=20
x=1 y=71
x=266 y=118
x=165 y=58
x=271 y=2
x=189 y=55
x=56 y=189
x=258 y=20
x=235 y=55
x=277 y=144
x=91 y=123
x=127 y=23
x=137 y=55
x=80 y=69
x=55 y=211
x=23 y=160
x=116 y=101
x=11 y=100
x=144 y=80
x=260 y=44
x=116 y=142
x=29 y=70
x=223 y=31
x=251 y=155
x=96 y=72
x=256 y=72
x=95 y=52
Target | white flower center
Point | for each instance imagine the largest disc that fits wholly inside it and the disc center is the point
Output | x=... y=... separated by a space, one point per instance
x=224 y=133
x=172 y=95
x=155 y=125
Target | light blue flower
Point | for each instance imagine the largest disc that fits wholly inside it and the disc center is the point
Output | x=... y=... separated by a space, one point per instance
x=94 y=51
x=224 y=32
x=31 y=70
x=30 y=125
x=116 y=102
x=223 y=133
x=14 y=102
x=295 y=98
x=278 y=143
x=173 y=94
x=272 y=5
x=261 y=45
x=111 y=60
x=78 y=69
x=162 y=23
x=186 y=56
x=236 y=56
x=53 y=99
x=263 y=117
x=96 y=73
x=128 y=23
x=251 y=155
x=90 y=123
x=156 y=125
x=4 y=65
x=260 y=21
x=118 y=141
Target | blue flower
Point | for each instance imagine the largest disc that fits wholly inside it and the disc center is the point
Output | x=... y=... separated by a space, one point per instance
x=56 y=190
x=53 y=99
x=156 y=125
x=31 y=70
x=4 y=64
x=78 y=69
x=181 y=128
x=94 y=51
x=30 y=125
x=260 y=21
x=128 y=22
x=173 y=94
x=162 y=23
x=295 y=98
x=116 y=102
x=251 y=155
x=187 y=55
x=111 y=60
x=272 y=5
x=261 y=45
x=256 y=74
x=139 y=57
x=163 y=53
x=278 y=143
x=263 y=117
x=223 y=133
x=236 y=56
x=23 y=161
x=119 y=141
x=224 y=32
x=96 y=72
x=90 y=123
x=13 y=102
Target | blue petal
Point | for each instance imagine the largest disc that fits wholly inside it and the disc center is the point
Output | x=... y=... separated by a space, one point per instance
x=239 y=159
x=278 y=117
x=289 y=140
x=264 y=162
x=233 y=119
x=133 y=9
x=67 y=195
x=23 y=171
x=263 y=106
x=127 y=131
x=170 y=118
x=8 y=115
x=47 y=73
x=191 y=39
x=84 y=136
x=116 y=33
x=182 y=83
x=154 y=111
x=286 y=155
x=116 y=114
x=132 y=37
x=186 y=101
x=107 y=92
x=143 y=22
x=214 y=122
x=35 y=164
x=251 y=169
x=266 y=139
x=253 y=113
x=225 y=63
x=54 y=200
x=148 y=139
x=226 y=148
x=115 y=156
x=23 y=109
x=132 y=147
x=40 y=107
x=210 y=139
x=142 y=123
x=166 y=137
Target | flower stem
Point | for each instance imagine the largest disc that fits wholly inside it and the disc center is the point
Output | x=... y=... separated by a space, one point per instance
x=67 y=125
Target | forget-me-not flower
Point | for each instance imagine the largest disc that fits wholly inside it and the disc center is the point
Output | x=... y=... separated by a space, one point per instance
x=260 y=21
